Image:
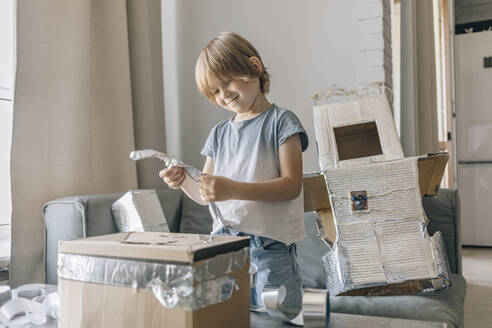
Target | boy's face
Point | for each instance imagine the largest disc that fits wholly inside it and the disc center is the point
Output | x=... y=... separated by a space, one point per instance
x=236 y=95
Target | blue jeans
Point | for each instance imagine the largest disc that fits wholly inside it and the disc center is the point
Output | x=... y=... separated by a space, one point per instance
x=277 y=266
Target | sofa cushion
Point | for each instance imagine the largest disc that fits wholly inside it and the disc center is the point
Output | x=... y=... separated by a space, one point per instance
x=443 y=306
x=195 y=218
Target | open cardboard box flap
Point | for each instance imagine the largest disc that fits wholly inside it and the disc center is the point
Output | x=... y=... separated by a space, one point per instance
x=431 y=169
x=179 y=247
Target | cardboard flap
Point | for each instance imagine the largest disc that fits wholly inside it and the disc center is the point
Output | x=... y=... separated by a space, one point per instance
x=178 y=247
x=315 y=192
x=431 y=170
x=328 y=222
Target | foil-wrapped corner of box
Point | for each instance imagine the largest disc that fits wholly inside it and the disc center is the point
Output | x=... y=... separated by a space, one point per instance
x=381 y=229
x=139 y=210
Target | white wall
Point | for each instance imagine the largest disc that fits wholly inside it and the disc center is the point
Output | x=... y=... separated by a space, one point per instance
x=306 y=46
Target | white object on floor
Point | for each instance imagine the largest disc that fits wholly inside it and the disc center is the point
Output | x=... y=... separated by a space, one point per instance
x=21 y=311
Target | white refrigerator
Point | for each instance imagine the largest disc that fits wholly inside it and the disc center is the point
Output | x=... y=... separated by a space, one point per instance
x=473 y=94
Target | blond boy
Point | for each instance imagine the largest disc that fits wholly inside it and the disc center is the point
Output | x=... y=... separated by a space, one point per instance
x=253 y=167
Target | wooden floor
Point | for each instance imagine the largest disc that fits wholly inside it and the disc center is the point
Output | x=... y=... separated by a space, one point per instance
x=477 y=270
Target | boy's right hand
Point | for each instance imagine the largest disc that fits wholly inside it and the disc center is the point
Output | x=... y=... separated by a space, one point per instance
x=173 y=176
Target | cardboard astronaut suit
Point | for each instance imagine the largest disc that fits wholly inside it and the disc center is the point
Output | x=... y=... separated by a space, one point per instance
x=379 y=242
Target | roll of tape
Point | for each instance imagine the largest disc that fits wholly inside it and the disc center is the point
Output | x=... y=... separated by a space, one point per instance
x=315 y=307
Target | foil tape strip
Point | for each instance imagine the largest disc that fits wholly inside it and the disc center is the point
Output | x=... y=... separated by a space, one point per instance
x=204 y=294
x=221 y=265
x=315 y=310
x=173 y=284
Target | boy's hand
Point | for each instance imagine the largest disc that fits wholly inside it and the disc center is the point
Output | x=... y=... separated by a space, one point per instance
x=173 y=176
x=216 y=188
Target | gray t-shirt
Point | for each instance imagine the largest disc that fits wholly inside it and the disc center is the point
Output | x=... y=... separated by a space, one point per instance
x=247 y=151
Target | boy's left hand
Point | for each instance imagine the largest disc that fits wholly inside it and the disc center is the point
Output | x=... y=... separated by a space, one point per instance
x=216 y=188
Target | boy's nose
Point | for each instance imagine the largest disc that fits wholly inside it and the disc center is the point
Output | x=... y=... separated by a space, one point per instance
x=225 y=93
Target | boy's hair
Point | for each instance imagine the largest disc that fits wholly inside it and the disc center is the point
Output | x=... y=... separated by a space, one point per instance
x=227 y=57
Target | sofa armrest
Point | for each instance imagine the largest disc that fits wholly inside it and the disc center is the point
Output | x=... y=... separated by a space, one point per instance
x=65 y=219
x=84 y=216
x=443 y=213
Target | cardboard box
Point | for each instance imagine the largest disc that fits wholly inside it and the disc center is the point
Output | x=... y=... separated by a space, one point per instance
x=94 y=292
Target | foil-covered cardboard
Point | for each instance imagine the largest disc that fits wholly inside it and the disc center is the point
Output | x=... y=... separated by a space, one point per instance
x=385 y=243
x=139 y=210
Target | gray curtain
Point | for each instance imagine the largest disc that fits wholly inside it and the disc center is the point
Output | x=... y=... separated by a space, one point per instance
x=419 y=129
x=84 y=98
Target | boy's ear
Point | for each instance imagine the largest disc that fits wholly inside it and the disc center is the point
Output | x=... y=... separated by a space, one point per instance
x=256 y=62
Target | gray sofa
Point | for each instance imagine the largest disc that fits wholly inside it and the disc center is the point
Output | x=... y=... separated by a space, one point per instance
x=90 y=215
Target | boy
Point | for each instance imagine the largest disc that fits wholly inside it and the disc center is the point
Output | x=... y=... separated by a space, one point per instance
x=253 y=167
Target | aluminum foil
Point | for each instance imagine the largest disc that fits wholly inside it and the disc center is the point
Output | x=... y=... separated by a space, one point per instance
x=174 y=285
x=388 y=243
x=193 y=172
x=315 y=310
x=139 y=210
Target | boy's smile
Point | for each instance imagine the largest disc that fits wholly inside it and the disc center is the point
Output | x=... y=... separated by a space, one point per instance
x=242 y=97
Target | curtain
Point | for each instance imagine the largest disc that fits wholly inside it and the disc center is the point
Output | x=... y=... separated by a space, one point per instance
x=78 y=112
x=419 y=126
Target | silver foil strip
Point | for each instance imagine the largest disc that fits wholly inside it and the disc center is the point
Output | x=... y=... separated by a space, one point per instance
x=315 y=310
x=180 y=285
x=170 y=161
x=139 y=210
